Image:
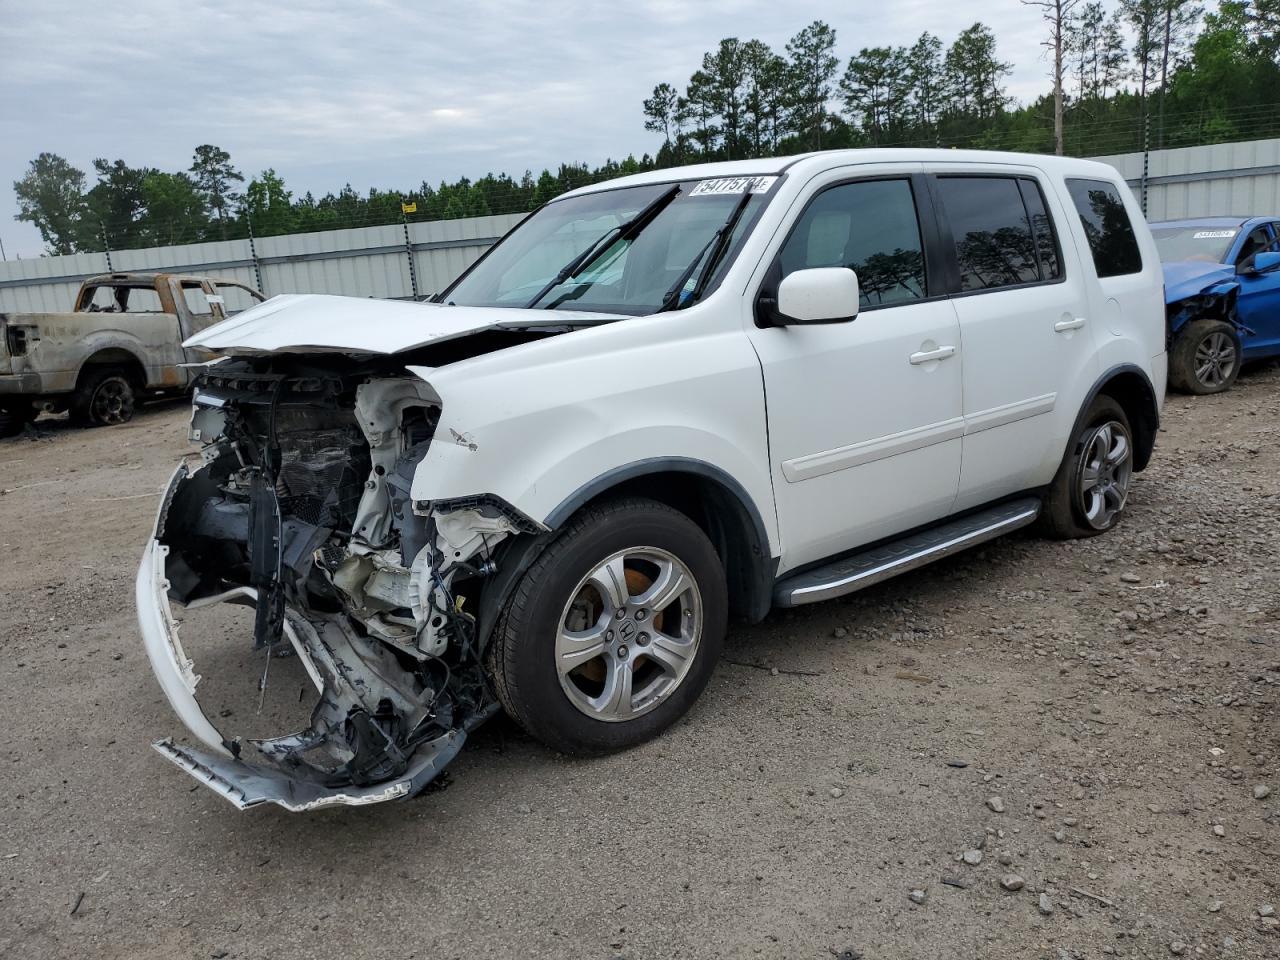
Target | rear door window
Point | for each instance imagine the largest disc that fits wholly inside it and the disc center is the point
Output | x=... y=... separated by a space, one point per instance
x=1106 y=227
x=1001 y=230
x=869 y=226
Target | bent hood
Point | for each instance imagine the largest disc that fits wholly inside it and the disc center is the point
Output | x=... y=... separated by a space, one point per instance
x=321 y=323
x=1186 y=278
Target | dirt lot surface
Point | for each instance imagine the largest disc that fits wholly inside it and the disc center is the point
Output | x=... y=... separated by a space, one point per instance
x=1096 y=722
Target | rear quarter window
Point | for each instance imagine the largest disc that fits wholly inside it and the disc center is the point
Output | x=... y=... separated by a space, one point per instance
x=1106 y=227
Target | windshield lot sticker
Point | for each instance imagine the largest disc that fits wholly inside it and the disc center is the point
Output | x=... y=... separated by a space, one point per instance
x=723 y=185
x=1213 y=234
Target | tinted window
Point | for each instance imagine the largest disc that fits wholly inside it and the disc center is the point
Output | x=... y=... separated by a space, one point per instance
x=1106 y=226
x=1042 y=231
x=994 y=242
x=870 y=227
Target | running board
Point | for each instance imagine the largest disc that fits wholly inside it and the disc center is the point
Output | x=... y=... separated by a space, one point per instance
x=898 y=556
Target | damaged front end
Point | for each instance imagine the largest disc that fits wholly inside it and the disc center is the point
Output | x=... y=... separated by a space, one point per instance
x=300 y=508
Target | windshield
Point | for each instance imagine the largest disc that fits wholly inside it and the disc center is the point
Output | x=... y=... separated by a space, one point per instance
x=635 y=263
x=1208 y=244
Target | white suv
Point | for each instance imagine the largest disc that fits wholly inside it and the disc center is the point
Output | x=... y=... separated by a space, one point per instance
x=657 y=403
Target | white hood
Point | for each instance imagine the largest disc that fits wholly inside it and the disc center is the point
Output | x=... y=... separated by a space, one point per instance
x=320 y=323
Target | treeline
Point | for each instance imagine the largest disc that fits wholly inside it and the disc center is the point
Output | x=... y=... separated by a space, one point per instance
x=1152 y=72
x=130 y=207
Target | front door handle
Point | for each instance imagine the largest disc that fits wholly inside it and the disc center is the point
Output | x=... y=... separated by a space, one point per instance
x=938 y=353
x=1062 y=326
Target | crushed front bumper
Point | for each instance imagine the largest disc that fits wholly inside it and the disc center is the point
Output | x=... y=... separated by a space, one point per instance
x=247 y=785
x=216 y=762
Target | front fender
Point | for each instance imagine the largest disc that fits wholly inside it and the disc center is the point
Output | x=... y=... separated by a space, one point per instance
x=1217 y=301
x=535 y=434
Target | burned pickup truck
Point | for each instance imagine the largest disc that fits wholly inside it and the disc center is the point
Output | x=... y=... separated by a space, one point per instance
x=122 y=341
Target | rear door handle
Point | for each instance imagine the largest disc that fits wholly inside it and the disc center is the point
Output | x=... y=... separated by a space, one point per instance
x=1062 y=326
x=939 y=353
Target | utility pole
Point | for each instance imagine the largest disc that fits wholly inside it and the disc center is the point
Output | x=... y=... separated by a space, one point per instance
x=253 y=252
x=1146 y=154
x=407 y=207
x=106 y=245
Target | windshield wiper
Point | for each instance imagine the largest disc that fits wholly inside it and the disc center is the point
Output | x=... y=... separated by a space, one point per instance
x=624 y=231
x=718 y=243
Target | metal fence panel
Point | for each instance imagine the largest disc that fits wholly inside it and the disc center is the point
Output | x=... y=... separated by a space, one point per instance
x=1224 y=179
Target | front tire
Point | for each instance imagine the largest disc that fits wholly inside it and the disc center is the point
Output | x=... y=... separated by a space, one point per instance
x=1205 y=357
x=614 y=631
x=1091 y=489
x=105 y=397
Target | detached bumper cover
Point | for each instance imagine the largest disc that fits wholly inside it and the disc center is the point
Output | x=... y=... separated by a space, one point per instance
x=246 y=785
x=160 y=633
x=216 y=761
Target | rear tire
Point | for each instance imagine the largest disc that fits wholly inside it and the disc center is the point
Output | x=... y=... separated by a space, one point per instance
x=104 y=397
x=1091 y=488
x=1205 y=357
x=15 y=417
x=614 y=631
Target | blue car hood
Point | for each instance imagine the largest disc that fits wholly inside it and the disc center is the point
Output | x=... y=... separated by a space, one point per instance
x=1185 y=278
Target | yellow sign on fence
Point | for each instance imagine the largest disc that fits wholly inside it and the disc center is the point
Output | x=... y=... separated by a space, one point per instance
x=408 y=207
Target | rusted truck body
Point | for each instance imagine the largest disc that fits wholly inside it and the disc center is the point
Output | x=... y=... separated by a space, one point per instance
x=121 y=342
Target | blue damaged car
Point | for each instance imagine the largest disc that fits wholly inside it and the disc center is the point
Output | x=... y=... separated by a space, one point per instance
x=1222 y=296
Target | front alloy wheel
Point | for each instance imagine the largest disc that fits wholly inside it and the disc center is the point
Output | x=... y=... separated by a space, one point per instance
x=614 y=630
x=1215 y=361
x=629 y=634
x=1205 y=357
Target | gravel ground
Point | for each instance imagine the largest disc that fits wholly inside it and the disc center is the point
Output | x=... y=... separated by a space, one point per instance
x=1034 y=750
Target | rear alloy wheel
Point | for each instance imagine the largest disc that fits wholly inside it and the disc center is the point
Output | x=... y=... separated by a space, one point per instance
x=1091 y=489
x=105 y=398
x=1103 y=472
x=614 y=630
x=1205 y=357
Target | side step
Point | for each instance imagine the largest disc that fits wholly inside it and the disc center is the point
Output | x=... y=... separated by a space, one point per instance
x=898 y=556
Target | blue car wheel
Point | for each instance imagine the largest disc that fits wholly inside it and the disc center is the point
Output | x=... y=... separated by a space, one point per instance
x=1205 y=357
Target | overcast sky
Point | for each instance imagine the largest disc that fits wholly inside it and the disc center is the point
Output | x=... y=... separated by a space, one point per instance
x=386 y=94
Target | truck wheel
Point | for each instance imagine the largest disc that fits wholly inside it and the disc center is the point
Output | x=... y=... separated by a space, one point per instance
x=1205 y=357
x=105 y=397
x=15 y=417
x=1092 y=486
x=614 y=630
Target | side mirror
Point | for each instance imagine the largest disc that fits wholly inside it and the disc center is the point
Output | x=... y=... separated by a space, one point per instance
x=818 y=295
x=1263 y=262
